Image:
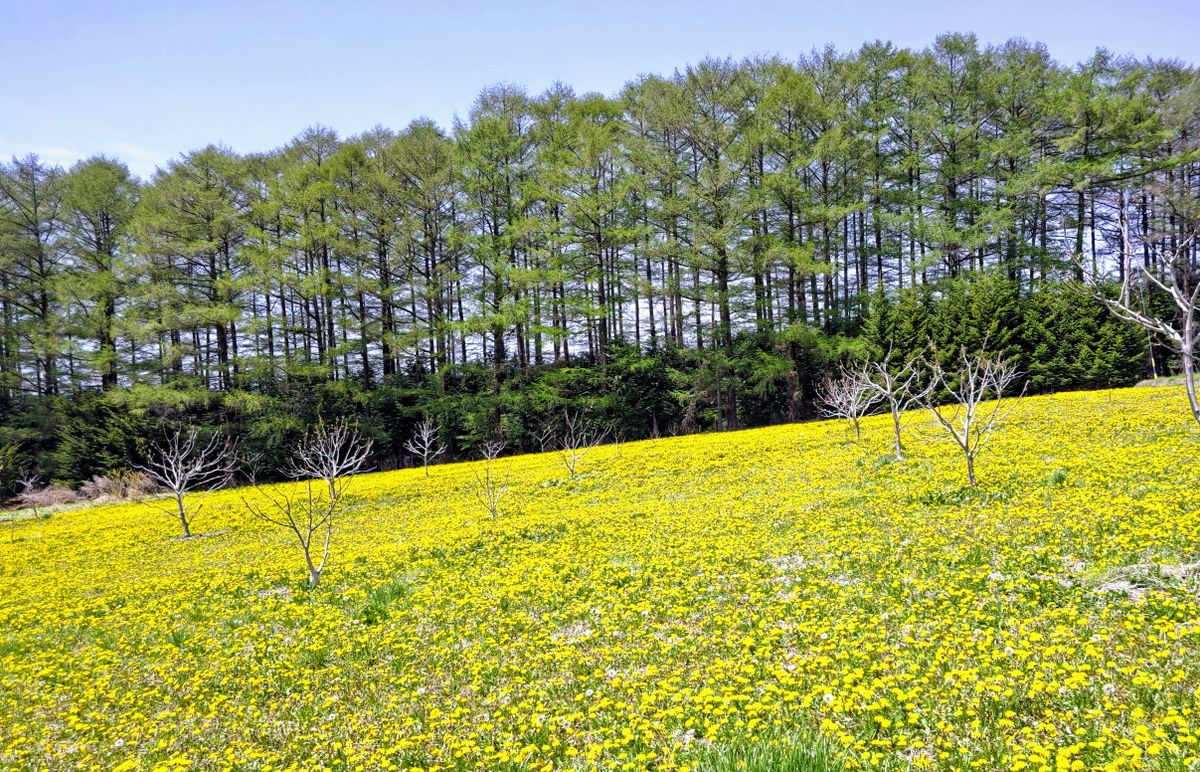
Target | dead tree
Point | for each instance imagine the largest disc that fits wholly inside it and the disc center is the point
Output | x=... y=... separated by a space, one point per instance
x=575 y=441
x=490 y=487
x=425 y=443
x=848 y=396
x=184 y=464
x=898 y=387
x=978 y=379
x=325 y=461
x=1175 y=273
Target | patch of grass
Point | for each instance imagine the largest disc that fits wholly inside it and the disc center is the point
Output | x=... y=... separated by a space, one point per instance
x=381 y=598
x=315 y=658
x=178 y=637
x=977 y=495
x=1142 y=577
x=784 y=753
x=546 y=534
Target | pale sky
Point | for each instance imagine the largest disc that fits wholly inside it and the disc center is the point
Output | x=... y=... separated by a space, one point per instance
x=148 y=80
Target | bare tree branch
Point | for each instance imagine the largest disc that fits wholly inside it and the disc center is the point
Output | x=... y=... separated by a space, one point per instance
x=897 y=386
x=546 y=438
x=490 y=487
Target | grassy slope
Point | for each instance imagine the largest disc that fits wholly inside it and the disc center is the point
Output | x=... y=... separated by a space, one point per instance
x=778 y=598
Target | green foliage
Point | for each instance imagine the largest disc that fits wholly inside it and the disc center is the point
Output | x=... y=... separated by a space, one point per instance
x=96 y=437
x=1071 y=341
x=772 y=753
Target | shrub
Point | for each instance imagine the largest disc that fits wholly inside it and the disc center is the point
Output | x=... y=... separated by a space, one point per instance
x=48 y=496
x=118 y=485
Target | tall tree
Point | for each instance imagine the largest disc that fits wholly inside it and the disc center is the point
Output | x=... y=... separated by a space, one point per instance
x=191 y=222
x=30 y=209
x=98 y=205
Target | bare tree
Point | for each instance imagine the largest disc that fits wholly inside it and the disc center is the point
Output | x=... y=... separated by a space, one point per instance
x=249 y=465
x=28 y=497
x=325 y=460
x=1176 y=273
x=899 y=387
x=979 y=378
x=425 y=443
x=184 y=464
x=848 y=396
x=575 y=441
x=30 y=487
x=546 y=438
x=490 y=487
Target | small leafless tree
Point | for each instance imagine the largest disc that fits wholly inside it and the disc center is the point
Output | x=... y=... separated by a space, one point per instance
x=325 y=460
x=576 y=441
x=848 y=396
x=425 y=443
x=899 y=387
x=546 y=438
x=250 y=464
x=978 y=379
x=1177 y=274
x=28 y=497
x=184 y=464
x=30 y=487
x=490 y=487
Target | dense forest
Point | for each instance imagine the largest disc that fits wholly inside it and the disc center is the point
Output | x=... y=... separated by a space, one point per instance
x=692 y=253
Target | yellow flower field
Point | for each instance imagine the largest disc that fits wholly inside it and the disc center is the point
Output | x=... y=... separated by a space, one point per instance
x=772 y=596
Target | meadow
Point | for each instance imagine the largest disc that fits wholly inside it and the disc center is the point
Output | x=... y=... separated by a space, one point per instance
x=781 y=598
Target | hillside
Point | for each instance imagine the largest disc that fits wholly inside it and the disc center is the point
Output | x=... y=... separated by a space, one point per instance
x=782 y=596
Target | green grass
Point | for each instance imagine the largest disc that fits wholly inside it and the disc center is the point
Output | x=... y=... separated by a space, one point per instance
x=783 y=753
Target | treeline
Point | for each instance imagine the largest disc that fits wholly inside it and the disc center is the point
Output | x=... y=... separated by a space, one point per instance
x=689 y=254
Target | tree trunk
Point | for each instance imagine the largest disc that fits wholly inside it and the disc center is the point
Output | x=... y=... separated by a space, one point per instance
x=183 y=520
x=314 y=572
x=1188 y=360
x=896 y=426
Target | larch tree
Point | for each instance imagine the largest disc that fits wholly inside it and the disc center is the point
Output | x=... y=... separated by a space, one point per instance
x=191 y=223
x=98 y=205
x=30 y=223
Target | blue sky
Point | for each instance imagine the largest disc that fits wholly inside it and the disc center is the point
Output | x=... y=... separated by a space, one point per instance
x=145 y=81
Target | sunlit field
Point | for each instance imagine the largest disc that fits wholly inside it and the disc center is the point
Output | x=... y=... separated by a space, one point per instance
x=784 y=598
